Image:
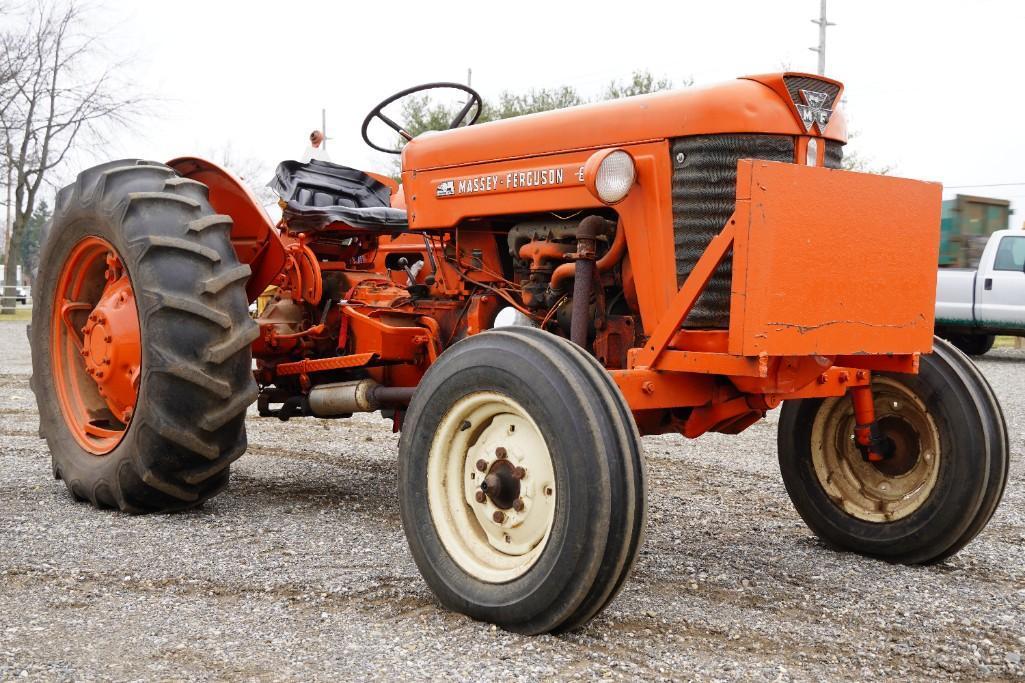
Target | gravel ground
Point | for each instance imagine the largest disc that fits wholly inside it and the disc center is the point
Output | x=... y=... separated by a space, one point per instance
x=300 y=571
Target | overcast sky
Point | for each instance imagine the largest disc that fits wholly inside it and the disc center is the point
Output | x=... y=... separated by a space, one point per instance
x=933 y=87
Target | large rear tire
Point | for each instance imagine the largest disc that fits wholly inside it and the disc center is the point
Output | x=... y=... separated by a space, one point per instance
x=139 y=269
x=547 y=547
x=934 y=495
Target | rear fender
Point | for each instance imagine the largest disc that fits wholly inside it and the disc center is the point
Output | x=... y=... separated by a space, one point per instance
x=252 y=234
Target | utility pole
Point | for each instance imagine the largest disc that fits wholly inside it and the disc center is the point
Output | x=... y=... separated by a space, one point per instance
x=821 y=49
x=323 y=127
x=7 y=304
x=469 y=77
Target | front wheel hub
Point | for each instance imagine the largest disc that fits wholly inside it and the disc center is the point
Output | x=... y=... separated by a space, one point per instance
x=491 y=487
x=890 y=489
x=501 y=485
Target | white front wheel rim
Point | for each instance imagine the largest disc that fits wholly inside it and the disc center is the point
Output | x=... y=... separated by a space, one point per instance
x=497 y=534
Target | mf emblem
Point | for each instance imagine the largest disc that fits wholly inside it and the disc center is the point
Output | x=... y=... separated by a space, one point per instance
x=445 y=189
x=814 y=111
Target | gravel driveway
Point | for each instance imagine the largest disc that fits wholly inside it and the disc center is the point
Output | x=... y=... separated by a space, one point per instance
x=300 y=571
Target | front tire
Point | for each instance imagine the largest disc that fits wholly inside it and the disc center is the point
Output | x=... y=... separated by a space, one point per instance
x=933 y=496
x=141 y=345
x=548 y=546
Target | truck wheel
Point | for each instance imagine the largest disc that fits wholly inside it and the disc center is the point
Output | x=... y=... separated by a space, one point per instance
x=521 y=482
x=933 y=496
x=141 y=357
x=973 y=344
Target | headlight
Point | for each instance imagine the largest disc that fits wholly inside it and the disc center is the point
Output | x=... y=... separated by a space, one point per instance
x=609 y=174
x=812 y=158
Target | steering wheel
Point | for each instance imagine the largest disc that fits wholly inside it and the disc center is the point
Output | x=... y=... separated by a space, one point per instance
x=474 y=98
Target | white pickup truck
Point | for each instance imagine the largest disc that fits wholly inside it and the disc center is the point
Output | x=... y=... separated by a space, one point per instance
x=973 y=306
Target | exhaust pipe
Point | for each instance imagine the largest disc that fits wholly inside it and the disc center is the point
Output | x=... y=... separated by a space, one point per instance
x=340 y=399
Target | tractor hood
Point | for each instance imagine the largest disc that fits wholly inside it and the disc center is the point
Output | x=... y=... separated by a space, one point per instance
x=781 y=103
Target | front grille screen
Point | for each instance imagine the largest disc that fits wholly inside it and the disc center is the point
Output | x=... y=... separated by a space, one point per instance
x=704 y=193
x=834 y=154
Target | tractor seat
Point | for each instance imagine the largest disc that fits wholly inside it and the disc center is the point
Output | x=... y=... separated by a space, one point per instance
x=319 y=194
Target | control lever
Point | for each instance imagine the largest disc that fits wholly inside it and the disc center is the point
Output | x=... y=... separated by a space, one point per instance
x=411 y=271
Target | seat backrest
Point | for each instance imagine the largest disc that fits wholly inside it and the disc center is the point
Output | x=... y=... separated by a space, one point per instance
x=321 y=183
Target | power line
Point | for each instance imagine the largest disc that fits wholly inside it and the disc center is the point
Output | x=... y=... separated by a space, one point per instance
x=965 y=187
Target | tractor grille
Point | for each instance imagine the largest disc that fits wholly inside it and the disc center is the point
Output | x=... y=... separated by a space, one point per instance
x=704 y=193
x=834 y=154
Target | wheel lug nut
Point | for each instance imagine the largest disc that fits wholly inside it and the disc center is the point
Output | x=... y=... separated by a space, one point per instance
x=548 y=490
x=501 y=453
x=518 y=505
x=519 y=473
x=499 y=516
x=480 y=496
x=108 y=339
x=482 y=464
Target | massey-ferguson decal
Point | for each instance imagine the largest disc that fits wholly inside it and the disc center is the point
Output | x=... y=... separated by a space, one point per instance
x=512 y=181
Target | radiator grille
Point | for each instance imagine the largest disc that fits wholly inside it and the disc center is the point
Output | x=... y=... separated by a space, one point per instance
x=704 y=193
x=834 y=154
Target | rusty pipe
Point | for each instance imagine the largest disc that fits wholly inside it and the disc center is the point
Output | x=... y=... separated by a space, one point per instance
x=393 y=397
x=613 y=256
x=583 y=286
x=539 y=251
x=584 y=273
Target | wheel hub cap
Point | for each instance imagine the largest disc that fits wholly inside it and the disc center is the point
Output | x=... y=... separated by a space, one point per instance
x=515 y=510
x=501 y=485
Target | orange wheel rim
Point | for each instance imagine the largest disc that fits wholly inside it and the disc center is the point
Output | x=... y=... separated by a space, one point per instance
x=96 y=347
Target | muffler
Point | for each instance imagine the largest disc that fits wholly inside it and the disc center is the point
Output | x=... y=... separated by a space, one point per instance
x=340 y=399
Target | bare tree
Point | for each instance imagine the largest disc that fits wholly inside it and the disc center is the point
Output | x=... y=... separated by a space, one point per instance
x=253 y=172
x=52 y=100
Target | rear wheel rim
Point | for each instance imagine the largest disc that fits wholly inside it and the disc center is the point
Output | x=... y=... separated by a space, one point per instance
x=96 y=348
x=877 y=492
x=491 y=487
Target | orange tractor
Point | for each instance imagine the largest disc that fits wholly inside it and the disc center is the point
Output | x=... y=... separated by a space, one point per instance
x=535 y=295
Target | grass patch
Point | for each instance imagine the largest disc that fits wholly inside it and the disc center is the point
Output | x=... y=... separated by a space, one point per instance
x=1004 y=342
x=21 y=315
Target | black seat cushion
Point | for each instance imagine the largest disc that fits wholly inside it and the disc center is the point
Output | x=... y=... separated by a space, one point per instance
x=320 y=193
